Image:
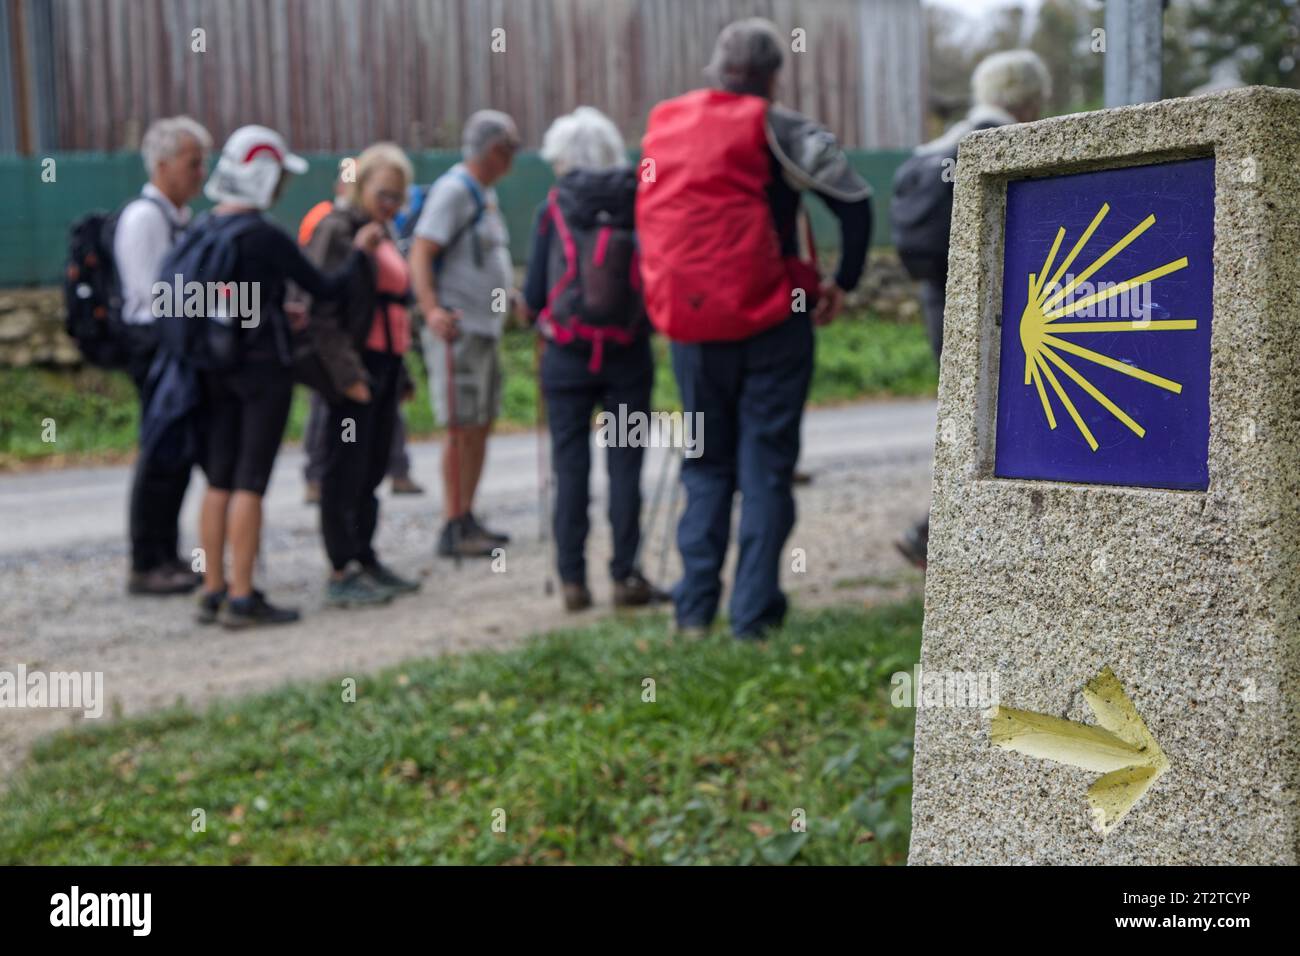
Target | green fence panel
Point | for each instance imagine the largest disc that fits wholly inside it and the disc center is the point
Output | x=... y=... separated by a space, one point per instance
x=40 y=197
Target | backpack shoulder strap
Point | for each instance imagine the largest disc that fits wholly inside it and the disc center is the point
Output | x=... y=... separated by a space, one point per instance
x=480 y=203
x=406 y=219
x=562 y=235
x=480 y=206
x=173 y=229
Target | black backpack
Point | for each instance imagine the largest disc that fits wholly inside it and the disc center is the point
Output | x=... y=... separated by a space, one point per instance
x=207 y=253
x=920 y=213
x=594 y=264
x=92 y=295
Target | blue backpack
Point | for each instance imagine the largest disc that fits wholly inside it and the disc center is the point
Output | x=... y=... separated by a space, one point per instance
x=205 y=254
x=406 y=220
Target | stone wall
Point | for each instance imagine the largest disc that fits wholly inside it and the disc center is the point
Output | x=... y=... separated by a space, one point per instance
x=31 y=329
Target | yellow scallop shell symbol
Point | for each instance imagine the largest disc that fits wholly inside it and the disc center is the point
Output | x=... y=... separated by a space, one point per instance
x=1040 y=330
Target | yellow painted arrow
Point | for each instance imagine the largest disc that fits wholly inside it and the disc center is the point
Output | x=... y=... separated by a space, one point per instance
x=1121 y=748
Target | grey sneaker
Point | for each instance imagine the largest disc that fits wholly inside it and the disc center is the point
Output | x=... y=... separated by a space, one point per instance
x=355 y=589
x=387 y=579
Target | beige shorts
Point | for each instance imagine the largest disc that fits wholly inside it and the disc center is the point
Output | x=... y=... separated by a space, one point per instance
x=477 y=366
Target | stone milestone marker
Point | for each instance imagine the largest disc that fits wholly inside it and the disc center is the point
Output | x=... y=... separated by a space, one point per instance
x=1115 y=532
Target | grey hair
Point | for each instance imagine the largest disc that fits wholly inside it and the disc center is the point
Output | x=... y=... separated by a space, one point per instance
x=165 y=138
x=483 y=130
x=583 y=139
x=1011 y=80
x=746 y=57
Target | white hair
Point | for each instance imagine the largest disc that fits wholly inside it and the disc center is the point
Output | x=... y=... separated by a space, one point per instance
x=583 y=139
x=166 y=137
x=746 y=57
x=1011 y=80
x=483 y=130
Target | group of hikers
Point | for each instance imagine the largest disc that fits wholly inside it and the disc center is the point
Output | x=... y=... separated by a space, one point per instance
x=704 y=242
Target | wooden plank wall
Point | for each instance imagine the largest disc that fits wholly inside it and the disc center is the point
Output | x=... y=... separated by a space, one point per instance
x=333 y=75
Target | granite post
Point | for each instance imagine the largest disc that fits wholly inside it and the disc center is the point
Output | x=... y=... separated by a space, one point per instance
x=1116 y=522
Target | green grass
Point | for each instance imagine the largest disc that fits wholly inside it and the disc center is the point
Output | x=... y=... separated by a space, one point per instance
x=95 y=412
x=555 y=734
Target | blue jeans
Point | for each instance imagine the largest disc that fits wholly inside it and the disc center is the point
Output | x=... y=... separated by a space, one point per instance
x=751 y=394
x=572 y=393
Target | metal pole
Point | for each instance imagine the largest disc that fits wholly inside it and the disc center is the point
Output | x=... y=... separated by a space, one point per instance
x=1133 y=51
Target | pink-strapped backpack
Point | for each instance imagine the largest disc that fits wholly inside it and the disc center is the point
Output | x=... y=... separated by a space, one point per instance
x=594 y=266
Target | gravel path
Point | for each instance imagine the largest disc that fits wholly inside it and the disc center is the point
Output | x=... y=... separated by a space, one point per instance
x=63 y=605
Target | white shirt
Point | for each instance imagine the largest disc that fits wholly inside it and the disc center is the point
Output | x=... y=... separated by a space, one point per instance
x=146 y=230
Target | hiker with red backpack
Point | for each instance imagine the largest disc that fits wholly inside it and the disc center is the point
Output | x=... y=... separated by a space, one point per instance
x=723 y=171
x=583 y=287
x=174 y=151
x=463 y=281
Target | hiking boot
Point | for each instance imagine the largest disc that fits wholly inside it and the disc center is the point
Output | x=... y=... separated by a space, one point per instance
x=497 y=536
x=915 y=545
x=164 y=579
x=801 y=477
x=460 y=540
x=355 y=589
x=387 y=579
x=576 y=596
x=635 y=591
x=209 y=606
x=253 y=611
x=311 y=494
x=405 y=486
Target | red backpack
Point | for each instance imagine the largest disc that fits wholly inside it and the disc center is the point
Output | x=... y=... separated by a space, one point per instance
x=711 y=263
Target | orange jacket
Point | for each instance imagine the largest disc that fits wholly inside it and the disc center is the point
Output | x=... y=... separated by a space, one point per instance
x=310 y=221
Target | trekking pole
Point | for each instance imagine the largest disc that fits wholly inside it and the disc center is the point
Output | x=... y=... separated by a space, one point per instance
x=668 y=521
x=453 y=450
x=545 y=474
x=652 y=517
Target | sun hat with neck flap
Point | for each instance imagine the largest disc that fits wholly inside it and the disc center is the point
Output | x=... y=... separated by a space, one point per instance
x=251 y=164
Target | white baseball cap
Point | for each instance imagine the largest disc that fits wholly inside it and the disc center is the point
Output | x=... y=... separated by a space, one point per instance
x=250 y=167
